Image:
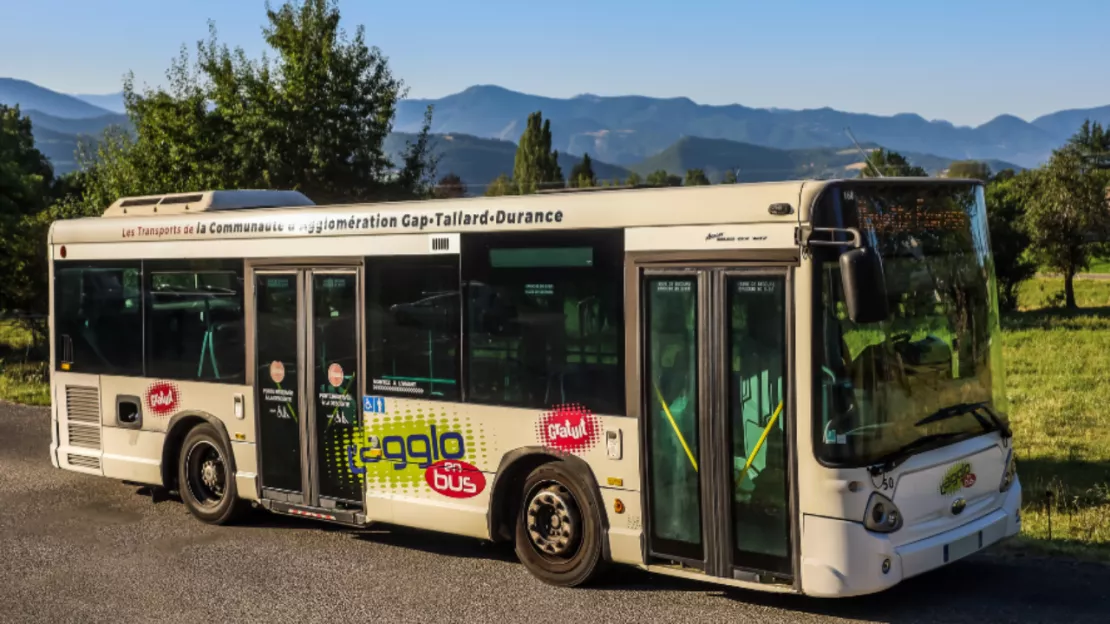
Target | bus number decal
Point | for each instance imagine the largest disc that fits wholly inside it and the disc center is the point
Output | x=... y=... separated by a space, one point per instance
x=882 y=481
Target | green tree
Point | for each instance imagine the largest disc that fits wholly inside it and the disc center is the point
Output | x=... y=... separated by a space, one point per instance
x=313 y=118
x=536 y=166
x=730 y=177
x=970 y=169
x=450 y=186
x=1092 y=142
x=634 y=179
x=1067 y=214
x=660 y=177
x=891 y=165
x=582 y=174
x=503 y=185
x=696 y=177
x=27 y=188
x=1009 y=240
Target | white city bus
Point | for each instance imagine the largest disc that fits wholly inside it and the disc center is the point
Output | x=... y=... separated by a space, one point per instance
x=790 y=387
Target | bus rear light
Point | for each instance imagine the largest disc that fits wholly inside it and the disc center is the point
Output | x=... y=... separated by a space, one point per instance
x=882 y=514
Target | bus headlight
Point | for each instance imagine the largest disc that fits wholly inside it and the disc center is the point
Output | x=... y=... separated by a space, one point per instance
x=882 y=514
x=1010 y=474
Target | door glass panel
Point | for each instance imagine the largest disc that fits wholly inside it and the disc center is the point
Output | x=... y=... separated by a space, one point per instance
x=671 y=311
x=757 y=368
x=335 y=368
x=276 y=375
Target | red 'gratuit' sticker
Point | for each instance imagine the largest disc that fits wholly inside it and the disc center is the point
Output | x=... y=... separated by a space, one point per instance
x=571 y=428
x=162 y=398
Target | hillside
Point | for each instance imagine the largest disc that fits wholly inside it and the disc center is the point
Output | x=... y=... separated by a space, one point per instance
x=755 y=163
x=89 y=125
x=627 y=129
x=112 y=102
x=30 y=96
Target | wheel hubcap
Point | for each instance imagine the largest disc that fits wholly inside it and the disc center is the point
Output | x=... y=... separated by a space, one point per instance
x=207 y=475
x=553 y=521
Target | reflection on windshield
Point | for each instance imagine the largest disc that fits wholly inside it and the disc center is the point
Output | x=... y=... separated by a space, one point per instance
x=940 y=346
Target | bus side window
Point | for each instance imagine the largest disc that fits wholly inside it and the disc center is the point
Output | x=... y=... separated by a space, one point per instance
x=194 y=320
x=544 y=322
x=412 y=326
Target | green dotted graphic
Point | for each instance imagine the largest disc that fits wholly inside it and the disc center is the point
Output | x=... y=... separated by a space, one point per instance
x=392 y=450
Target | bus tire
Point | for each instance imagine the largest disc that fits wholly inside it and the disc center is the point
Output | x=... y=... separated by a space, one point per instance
x=558 y=528
x=206 y=479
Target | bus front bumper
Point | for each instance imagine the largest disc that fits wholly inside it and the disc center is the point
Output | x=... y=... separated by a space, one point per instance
x=840 y=558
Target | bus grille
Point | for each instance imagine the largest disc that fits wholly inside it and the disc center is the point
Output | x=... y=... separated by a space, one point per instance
x=83 y=422
x=81 y=461
x=83 y=404
x=84 y=436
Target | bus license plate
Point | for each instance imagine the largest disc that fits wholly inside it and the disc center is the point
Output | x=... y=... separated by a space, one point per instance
x=963 y=547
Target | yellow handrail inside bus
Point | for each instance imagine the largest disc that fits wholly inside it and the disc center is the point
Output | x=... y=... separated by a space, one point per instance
x=759 y=443
x=667 y=411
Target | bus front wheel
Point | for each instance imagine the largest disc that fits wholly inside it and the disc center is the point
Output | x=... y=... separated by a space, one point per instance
x=558 y=528
x=205 y=479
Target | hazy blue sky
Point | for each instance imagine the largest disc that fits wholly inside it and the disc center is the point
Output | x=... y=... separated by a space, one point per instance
x=965 y=61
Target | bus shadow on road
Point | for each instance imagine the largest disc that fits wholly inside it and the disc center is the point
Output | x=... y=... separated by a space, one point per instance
x=1009 y=589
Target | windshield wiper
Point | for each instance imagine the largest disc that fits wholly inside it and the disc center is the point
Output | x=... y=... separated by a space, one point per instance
x=975 y=409
x=891 y=460
x=953 y=411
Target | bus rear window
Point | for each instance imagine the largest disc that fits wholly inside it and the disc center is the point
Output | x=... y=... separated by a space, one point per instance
x=98 y=316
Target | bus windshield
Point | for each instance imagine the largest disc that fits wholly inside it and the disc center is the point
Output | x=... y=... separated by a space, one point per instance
x=930 y=374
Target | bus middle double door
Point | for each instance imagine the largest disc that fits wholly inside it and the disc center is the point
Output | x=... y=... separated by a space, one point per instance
x=307 y=379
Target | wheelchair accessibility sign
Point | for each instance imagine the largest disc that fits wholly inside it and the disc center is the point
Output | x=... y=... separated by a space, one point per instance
x=373 y=405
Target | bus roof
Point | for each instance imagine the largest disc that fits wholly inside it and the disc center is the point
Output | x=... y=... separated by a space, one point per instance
x=722 y=203
x=253 y=214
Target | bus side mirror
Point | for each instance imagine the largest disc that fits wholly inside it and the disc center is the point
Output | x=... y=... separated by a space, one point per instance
x=861 y=273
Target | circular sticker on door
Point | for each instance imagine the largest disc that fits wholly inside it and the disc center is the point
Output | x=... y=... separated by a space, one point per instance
x=277 y=371
x=335 y=375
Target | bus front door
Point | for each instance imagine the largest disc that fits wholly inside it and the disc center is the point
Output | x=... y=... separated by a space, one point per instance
x=307 y=363
x=715 y=413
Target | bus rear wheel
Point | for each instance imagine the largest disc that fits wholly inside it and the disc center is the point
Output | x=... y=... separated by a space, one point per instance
x=558 y=528
x=205 y=478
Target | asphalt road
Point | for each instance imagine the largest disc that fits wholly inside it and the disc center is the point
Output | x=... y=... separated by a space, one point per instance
x=75 y=548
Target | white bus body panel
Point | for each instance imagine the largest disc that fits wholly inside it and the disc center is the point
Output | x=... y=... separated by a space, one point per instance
x=398 y=490
x=135 y=454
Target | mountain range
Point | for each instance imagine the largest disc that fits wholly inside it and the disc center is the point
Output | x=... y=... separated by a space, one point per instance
x=627 y=129
x=477 y=127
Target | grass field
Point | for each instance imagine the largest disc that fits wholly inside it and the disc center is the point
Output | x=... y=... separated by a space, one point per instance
x=21 y=374
x=1058 y=380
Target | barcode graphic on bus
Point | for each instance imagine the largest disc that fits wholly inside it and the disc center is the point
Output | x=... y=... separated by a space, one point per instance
x=441 y=243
